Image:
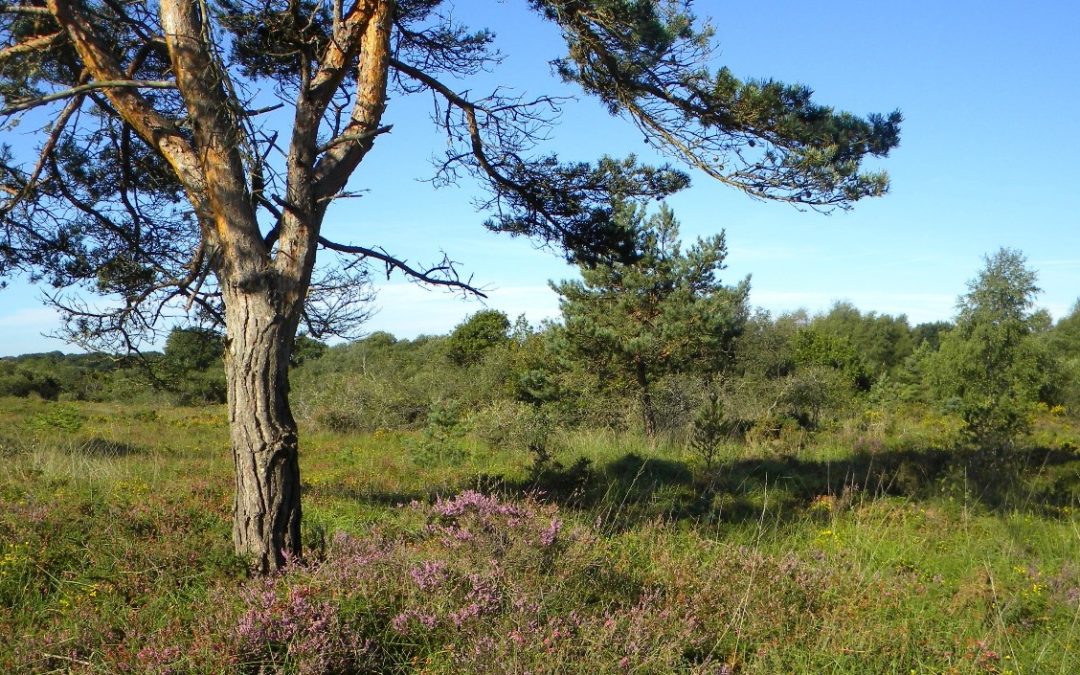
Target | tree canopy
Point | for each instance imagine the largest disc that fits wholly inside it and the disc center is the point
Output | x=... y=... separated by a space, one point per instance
x=167 y=156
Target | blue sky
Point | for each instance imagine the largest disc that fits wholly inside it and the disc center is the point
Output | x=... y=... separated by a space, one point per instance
x=988 y=158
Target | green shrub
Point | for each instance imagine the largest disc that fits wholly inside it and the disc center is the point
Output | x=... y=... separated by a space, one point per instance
x=442 y=440
x=58 y=417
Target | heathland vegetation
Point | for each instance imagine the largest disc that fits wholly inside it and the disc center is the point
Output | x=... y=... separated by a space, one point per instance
x=840 y=492
x=664 y=480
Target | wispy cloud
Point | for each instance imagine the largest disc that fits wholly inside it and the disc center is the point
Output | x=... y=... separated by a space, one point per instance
x=30 y=317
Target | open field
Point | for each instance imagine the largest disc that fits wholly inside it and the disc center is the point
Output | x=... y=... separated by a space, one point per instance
x=622 y=556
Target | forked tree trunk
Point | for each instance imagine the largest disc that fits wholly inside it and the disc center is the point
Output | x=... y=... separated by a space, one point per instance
x=266 y=512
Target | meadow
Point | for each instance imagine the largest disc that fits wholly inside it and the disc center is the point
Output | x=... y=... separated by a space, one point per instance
x=619 y=554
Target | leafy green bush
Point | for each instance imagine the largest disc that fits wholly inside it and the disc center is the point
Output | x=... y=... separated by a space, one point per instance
x=23 y=383
x=473 y=338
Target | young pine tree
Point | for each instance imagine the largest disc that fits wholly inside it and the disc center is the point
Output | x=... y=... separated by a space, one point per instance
x=663 y=310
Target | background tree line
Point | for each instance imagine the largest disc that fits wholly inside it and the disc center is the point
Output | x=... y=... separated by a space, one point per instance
x=979 y=381
x=656 y=344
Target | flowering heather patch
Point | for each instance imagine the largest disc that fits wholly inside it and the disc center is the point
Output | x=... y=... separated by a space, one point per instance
x=429 y=574
x=295 y=629
x=485 y=585
x=478 y=584
x=159 y=660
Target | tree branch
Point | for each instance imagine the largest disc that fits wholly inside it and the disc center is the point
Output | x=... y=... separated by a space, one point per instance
x=34 y=44
x=54 y=137
x=423 y=276
x=156 y=130
x=218 y=135
x=8 y=8
x=468 y=108
x=339 y=161
x=84 y=88
x=355 y=138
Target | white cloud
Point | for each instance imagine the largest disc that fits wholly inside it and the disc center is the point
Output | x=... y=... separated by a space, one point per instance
x=30 y=317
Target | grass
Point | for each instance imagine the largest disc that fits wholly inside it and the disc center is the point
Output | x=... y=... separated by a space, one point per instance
x=621 y=555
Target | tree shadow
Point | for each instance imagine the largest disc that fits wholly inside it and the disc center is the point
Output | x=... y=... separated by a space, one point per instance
x=375 y=497
x=620 y=493
x=633 y=489
x=105 y=448
x=1036 y=480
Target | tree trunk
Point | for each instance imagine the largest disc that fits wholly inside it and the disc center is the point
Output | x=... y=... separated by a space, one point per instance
x=266 y=512
x=648 y=415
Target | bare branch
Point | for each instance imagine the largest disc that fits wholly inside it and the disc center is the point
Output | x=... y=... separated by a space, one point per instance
x=469 y=109
x=262 y=111
x=355 y=138
x=84 y=88
x=430 y=276
x=339 y=301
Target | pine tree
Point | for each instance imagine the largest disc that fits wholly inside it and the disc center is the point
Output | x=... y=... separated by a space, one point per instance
x=662 y=310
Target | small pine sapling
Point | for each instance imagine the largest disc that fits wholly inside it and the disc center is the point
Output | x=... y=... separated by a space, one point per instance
x=710 y=429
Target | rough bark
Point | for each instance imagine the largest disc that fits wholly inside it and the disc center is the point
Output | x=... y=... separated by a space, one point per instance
x=266 y=515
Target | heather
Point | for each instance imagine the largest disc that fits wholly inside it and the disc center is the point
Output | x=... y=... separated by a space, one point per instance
x=852 y=553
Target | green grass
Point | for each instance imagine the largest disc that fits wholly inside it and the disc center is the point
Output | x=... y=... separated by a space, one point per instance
x=115 y=555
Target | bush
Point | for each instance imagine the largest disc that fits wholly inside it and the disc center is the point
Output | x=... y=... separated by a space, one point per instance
x=442 y=440
x=23 y=383
x=58 y=417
